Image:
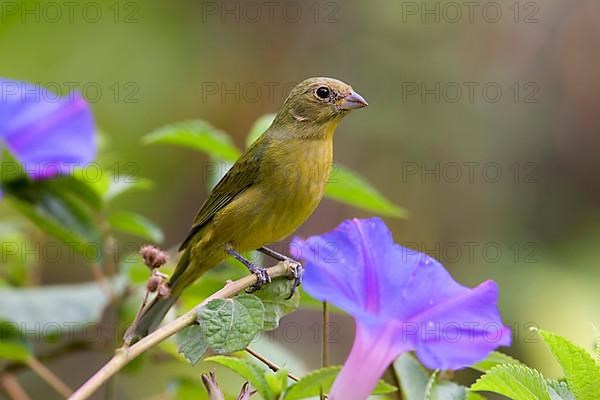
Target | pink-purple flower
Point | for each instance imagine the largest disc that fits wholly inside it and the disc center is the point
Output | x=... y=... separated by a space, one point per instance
x=401 y=300
x=48 y=134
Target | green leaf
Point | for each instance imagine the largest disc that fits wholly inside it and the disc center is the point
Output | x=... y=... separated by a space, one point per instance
x=493 y=359
x=281 y=354
x=194 y=345
x=62 y=206
x=98 y=182
x=515 y=381
x=412 y=376
x=13 y=351
x=430 y=385
x=229 y=325
x=277 y=381
x=260 y=126
x=597 y=346
x=74 y=184
x=382 y=387
x=417 y=384
x=274 y=298
x=16 y=256
x=197 y=135
x=348 y=187
x=135 y=224
x=11 y=170
x=184 y=388
x=446 y=390
x=474 y=396
x=56 y=309
x=78 y=187
x=322 y=379
x=581 y=371
x=248 y=370
x=559 y=390
x=55 y=208
x=210 y=283
x=124 y=184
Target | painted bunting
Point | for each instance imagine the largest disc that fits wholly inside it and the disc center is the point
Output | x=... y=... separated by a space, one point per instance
x=268 y=193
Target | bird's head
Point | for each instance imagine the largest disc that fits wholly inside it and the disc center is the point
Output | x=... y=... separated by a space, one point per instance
x=319 y=101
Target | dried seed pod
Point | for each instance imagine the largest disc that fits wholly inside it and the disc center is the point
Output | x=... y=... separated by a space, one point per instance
x=153 y=256
x=153 y=283
x=164 y=290
x=212 y=387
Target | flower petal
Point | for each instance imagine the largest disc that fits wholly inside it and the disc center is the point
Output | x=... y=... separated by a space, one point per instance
x=389 y=288
x=373 y=350
x=462 y=330
x=342 y=266
x=46 y=132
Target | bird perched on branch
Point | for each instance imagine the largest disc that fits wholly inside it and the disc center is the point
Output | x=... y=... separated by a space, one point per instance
x=266 y=195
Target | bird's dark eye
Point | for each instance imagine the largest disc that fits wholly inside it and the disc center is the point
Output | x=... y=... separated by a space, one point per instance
x=323 y=92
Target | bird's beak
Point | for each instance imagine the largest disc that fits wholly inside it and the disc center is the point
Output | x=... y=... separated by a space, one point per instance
x=353 y=101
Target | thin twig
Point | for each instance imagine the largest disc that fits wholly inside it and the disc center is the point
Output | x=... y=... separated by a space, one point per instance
x=272 y=366
x=125 y=354
x=52 y=354
x=325 y=343
x=48 y=376
x=102 y=281
x=110 y=266
x=34 y=275
x=12 y=387
x=325 y=349
x=99 y=271
x=111 y=389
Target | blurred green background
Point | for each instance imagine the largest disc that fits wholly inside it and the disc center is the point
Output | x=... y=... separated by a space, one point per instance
x=480 y=171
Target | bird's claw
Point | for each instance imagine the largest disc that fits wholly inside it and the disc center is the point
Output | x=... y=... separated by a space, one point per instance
x=296 y=271
x=262 y=278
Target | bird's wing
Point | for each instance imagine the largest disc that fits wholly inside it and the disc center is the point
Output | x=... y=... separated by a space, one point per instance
x=242 y=175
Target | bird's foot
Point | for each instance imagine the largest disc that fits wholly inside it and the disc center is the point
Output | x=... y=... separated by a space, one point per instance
x=296 y=270
x=295 y=267
x=262 y=277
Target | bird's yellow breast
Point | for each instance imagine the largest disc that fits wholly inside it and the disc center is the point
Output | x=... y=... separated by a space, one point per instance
x=293 y=176
x=296 y=177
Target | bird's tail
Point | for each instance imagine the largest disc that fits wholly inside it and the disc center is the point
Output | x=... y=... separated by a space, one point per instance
x=152 y=315
x=150 y=319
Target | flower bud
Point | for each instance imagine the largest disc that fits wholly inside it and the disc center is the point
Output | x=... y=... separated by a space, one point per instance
x=164 y=290
x=153 y=256
x=153 y=283
x=212 y=387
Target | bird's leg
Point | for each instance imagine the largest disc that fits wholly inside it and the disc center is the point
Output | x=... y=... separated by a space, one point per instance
x=297 y=268
x=276 y=255
x=261 y=273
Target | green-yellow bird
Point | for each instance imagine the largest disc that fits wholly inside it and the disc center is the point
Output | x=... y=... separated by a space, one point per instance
x=267 y=194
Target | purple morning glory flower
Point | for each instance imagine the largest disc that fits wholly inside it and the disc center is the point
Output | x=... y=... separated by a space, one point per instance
x=48 y=134
x=401 y=300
